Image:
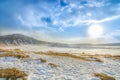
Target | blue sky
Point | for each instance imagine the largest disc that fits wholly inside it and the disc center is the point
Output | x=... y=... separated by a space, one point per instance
x=66 y=21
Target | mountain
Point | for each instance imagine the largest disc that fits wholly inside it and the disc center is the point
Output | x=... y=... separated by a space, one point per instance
x=18 y=39
x=109 y=44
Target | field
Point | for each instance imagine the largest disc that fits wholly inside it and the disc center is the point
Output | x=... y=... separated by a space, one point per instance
x=45 y=63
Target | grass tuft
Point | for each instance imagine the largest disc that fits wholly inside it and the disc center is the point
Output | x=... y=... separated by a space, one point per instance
x=43 y=60
x=53 y=65
x=116 y=57
x=103 y=76
x=12 y=73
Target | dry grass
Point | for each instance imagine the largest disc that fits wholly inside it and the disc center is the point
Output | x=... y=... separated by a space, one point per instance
x=107 y=55
x=43 y=60
x=116 y=57
x=102 y=55
x=88 y=58
x=94 y=58
x=19 y=56
x=12 y=51
x=17 y=53
x=12 y=73
x=103 y=76
x=53 y=65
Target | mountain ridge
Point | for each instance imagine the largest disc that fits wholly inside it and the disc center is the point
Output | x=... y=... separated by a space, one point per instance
x=18 y=39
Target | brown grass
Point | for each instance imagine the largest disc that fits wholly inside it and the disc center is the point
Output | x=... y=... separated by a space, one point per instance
x=103 y=76
x=19 y=56
x=12 y=73
x=51 y=53
x=12 y=51
x=43 y=60
x=102 y=55
x=116 y=57
x=17 y=53
x=53 y=65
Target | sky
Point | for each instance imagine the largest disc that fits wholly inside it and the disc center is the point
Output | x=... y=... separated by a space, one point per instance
x=65 y=21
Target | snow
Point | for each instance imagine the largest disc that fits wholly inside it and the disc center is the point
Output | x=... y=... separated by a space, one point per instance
x=114 y=51
x=68 y=68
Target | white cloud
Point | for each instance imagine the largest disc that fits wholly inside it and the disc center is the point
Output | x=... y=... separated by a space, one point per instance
x=105 y=19
x=82 y=14
x=61 y=29
x=61 y=16
x=72 y=15
x=77 y=21
x=30 y=18
x=95 y=3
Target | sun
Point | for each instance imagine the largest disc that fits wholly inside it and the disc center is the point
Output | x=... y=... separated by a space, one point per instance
x=95 y=31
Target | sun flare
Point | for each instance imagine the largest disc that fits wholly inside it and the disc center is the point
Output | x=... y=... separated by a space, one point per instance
x=95 y=31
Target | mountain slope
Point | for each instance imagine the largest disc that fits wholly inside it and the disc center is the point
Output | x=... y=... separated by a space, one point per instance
x=18 y=39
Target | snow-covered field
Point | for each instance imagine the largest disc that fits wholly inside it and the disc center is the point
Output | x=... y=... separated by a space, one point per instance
x=115 y=50
x=36 y=48
x=67 y=69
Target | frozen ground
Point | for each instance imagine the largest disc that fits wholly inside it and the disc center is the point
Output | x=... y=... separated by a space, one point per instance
x=68 y=68
x=115 y=50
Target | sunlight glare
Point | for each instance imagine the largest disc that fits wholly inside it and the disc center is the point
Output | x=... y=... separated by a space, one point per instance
x=95 y=31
